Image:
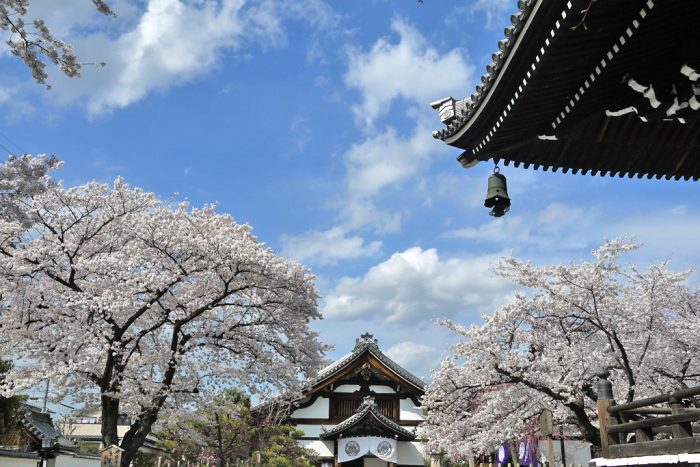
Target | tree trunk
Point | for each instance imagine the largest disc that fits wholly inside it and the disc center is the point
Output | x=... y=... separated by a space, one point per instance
x=136 y=435
x=220 y=444
x=110 y=418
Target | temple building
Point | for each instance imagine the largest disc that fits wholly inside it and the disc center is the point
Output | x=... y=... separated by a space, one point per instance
x=362 y=411
x=591 y=87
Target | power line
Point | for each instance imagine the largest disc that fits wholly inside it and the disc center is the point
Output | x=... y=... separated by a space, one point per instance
x=21 y=150
x=5 y=148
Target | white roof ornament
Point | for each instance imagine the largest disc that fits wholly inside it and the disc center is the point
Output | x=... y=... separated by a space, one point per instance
x=446 y=109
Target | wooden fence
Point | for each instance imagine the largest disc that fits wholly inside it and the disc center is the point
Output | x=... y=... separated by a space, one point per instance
x=659 y=425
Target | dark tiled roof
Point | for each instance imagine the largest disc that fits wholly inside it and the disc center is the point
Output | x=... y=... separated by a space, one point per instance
x=367 y=343
x=467 y=107
x=40 y=425
x=367 y=408
x=572 y=87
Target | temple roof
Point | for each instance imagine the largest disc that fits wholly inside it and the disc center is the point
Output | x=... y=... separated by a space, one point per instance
x=41 y=426
x=366 y=344
x=368 y=413
x=605 y=87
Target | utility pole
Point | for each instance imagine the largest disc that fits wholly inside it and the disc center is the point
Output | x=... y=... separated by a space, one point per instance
x=46 y=395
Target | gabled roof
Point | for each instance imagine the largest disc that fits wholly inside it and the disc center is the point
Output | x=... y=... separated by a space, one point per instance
x=41 y=426
x=365 y=345
x=368 y=412
x=366 y=348
x=605 y=87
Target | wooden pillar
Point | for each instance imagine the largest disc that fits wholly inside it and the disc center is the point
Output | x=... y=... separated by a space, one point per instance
x=679 y=430
x=335 y=453
x=605 y=400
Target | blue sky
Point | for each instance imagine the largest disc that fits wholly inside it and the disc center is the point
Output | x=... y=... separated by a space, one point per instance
x=310 y=120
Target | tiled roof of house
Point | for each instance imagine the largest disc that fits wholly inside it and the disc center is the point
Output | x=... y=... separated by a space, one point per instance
x=368 y=408
x=367 y=343
x=600 y=87
x=467 y=107
x=40 y=425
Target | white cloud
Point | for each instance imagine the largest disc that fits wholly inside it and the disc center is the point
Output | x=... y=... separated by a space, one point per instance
x=15 y=108
x=557 y=224
x=418 y=357
x=418 y=284
x=377 y=163
x=327 y=246
x=173 y=42
x=494 y=10
x=409 y=69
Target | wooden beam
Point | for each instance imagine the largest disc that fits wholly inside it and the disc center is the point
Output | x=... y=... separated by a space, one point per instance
x=655 y=448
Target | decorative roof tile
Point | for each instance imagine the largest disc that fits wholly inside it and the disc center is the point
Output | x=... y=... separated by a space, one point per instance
x=368 y=407
x=471 y=103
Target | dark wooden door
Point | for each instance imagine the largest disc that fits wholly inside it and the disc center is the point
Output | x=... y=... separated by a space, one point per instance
x=356 y=463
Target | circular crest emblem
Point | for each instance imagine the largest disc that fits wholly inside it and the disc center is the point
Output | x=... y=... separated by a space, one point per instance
x=352 y=448
x=384 y=448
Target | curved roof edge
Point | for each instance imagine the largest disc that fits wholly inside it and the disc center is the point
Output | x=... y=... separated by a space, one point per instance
x=367 y=408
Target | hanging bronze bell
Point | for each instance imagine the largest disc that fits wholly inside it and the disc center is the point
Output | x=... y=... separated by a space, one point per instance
x=497 y=195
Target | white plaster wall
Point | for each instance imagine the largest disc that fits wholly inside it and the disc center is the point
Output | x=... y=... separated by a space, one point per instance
x=319 y=409
x=382 y=389
x=409 y=411
x=576 y=452
x=312 y=431
x=322 y=448
x=17 y=462
x=70 y=461
x=347 y=388
x=410 y=453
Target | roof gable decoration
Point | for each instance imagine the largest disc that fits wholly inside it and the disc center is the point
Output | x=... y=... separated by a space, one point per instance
x=370 y=412
x=457 y=114
x=366 y=343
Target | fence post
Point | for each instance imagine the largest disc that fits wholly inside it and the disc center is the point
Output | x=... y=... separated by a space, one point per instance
x=605 y=400
x=679 y=430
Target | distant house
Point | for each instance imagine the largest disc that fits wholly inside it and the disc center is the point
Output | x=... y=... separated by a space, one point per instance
x=37 y=438
x=362 y=411
x=596 y=87
x=85 y=427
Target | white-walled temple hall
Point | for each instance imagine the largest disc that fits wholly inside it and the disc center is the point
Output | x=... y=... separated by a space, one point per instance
x=362 y=411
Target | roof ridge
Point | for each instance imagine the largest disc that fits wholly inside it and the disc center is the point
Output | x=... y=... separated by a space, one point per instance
x=456 y=113
x=367 y=342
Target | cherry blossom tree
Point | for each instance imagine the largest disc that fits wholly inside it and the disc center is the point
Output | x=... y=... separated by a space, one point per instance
x=31 y=42
x=149 y=307
x=543 y=350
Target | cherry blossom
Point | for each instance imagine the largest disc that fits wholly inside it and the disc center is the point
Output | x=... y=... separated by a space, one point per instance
x=150 y=308
x=543 y=349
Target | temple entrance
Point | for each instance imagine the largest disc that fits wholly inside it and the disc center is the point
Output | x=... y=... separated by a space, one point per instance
x=354 y=463
x=365 y=462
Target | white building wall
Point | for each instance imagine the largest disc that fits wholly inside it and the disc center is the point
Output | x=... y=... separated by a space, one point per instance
x=409 y=411
x=322 y=448
x=17 y=462
x=319 y=409
x=347 y=388
x=410 y=452
x=382 y=389
x=70 y=461
x=312 y=431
